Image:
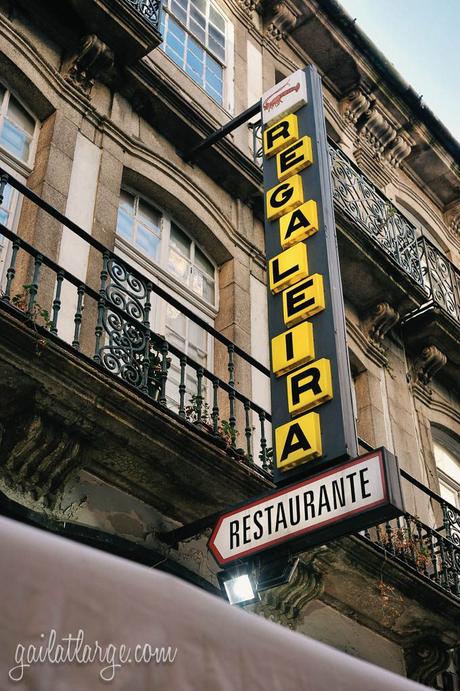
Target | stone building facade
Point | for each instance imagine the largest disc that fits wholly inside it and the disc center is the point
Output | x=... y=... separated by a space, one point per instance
x=134 y=343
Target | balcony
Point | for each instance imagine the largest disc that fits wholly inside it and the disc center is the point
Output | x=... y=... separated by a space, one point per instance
x=432 y=553
x=129 y=29
x=112 y=390
x=384 y=258
x=417 y=268
x=115 y=391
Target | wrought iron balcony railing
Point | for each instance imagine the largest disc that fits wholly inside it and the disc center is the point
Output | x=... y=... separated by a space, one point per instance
x=112 y=326
x=357 y=197
x=112 y=329
x=150 y=9
x=432 y=552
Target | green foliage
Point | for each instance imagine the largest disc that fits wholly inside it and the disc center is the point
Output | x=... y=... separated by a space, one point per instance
x=198 y=411
x=37 y=314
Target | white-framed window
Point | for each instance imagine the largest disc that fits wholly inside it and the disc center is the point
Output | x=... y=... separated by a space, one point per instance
x=159 y=239
x=448 y=467
x=446 y=450
x=18 y=138
x=192 y=340
x=150 y=239
x=17 y=128
x=196 y=36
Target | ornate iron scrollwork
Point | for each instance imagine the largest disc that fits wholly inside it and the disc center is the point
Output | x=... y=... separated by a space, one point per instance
x=127 y=291
x=150 y=9
x=440 y=278
x=126 y=349
x=452 y=525
x=355 y=195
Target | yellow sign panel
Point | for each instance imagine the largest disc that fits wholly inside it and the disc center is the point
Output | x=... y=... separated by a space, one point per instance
x=298 y=441
x=293 y=348
x=284 y=197
x=295 y=158
x=303 y=300
x=299 y=224
x=309 y=386
x=280 y=135
x=288 y=268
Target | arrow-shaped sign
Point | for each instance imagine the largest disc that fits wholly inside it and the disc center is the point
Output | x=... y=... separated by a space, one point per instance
x=351 y=497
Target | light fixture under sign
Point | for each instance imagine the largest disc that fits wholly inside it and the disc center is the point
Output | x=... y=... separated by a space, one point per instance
x=243 y=583
x=238 y=585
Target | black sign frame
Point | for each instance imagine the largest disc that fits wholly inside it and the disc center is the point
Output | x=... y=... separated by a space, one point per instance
x=338 y=431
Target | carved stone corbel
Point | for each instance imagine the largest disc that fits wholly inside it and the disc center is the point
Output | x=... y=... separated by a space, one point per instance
x=354 y=105
x=377 y=130
x=282 y=19
x=452 y=218
x=92 y=59
x=426 y=659
x=249 y=6
x=379 y=322
x=429 y=362
x=37 y=456
x=285 y=603
x=399 y=149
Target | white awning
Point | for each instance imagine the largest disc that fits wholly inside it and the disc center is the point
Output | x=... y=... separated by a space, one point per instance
x=89 y=598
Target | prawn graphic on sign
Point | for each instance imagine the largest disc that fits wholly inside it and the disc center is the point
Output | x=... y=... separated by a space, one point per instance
x=285 y=97
x=277 y=99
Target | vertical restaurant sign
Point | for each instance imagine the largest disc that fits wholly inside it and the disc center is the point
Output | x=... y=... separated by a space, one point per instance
x=312 y=408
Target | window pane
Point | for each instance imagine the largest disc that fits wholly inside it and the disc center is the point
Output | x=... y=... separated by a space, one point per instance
x=15 y=140
x=175 y=41
x=214 y=79
x=147 y=241
x=148 y=215
x=178 y=264
x=199 y=4
x=216 y=43
x=127 y=201
x=197 y=31
x=208 y=291
x=194 y=70
x=176 y=31
x=125 y=224
x=202 y=285
x=207 y=26
x=214 y=84
x=180 y=241
x=5 y=209
x=203 y=263
x=196 y=335
x=198 y=17
x=179 y=10
x=179 y=253
x=213 y=68
x=214 y=94
x=18 y=115
x=197 y=284
x=197 y=344
x=175 y=322
x=217 y=19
